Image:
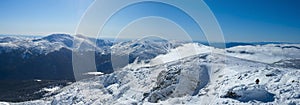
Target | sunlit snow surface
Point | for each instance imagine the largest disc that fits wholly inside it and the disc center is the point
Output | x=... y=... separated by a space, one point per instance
x=202 y=76
x=266 y=53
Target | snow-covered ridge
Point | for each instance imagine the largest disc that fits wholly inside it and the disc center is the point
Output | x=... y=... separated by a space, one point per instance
x=47 y=44
x=146 y=49
x=32 y=45
x=203 y=77
x=54 y=42
x=179 y=73
x=270 y=53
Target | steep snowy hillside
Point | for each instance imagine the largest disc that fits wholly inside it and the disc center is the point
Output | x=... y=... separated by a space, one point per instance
x=201 y=78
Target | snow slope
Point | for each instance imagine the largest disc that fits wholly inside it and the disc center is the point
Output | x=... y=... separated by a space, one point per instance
x=199 y=78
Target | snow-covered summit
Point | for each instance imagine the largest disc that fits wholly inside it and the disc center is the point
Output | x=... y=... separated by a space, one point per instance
x=66 y=39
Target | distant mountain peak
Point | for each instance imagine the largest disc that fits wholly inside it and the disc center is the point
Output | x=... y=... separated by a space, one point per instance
x=58 y=36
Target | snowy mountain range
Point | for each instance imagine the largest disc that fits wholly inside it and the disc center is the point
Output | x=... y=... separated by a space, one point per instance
x=53 y=55
x=164 y=72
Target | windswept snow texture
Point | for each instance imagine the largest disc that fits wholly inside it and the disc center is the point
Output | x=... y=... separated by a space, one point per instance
x=207 y=76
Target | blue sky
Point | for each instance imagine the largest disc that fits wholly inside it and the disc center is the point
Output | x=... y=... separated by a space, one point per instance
x=240 y=20
x=258 y=20
x=152 y=11
x=39 y=17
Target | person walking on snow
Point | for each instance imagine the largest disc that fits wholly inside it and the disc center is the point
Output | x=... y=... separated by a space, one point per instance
x=257 y=81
